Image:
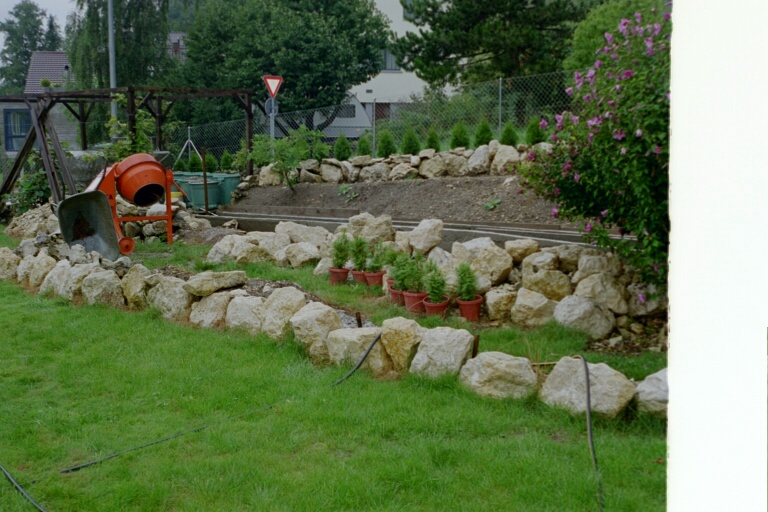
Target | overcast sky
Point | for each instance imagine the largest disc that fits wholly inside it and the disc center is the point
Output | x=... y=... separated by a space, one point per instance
x=59 y=9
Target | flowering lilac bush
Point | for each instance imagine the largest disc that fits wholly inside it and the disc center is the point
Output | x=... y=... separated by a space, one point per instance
x=609 y=162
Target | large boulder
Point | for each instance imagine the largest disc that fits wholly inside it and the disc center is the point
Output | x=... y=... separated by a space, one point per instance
x=32 y=269
x=347 y=346
x=278 y=309
x=590 y=264
x=499 y=375
x=432 y=167
x=268 y=177
x=311 y=326
x=208 y=282
x=532 y=309
x=401 y=337
x=134 y=286
x=504 y=159
x=268 y=247
x=103 y=287
x=375 y=172
x=331 y=173
x=455 y=166
x=493 y=263
x=568 y=255
x=553 y=284
x=585 y=315
x=442 y=351
x=229 y=247
x=72 y=288
x=55 y=282
x=168 y=296
x=211 y=310
x=403 y=171
x=610 y=391
x=349 y=171
x=315 y=235
x=479 y=162
x=244 y=312
x=373 y=229
x=302 y=253
x=426 y=235
x=645 y=300
x=540 y=261
x=499 y=302
x=653 y=394
x=521 y=249
x=9 y=263
x=604 y=289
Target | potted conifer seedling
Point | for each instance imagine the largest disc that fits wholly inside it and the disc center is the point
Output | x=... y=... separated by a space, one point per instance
x=436 y=302
x=374 y=274
x=413 y=291
x=466 y=293
x=339 y=257
x=359 y=252
x=398 y=273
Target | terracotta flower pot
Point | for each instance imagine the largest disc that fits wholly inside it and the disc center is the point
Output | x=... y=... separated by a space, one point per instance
x=436 y=308
x=414 y=301
x=338 y=275
x=359 y=276
x=396 y=296
x=375 y=278
x=470 y=309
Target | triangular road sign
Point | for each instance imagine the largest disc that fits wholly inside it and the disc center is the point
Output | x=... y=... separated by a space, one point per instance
x=273 y=84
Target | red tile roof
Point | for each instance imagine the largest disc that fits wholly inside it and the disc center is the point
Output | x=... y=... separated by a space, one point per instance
x=51 y=65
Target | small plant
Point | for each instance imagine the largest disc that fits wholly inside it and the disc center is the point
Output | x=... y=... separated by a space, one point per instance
x=340 y=251
x=411 y=145
x=492 y=204
x=399 y=272
x=413 y=274
x=385 y=146
x=45 y=82
x=195 y=163
x=434 y=283
x=466 y=282
x=180 y=166
x=210 y=163
x=433 y=139
x=376 y=262
x=483 y=134
x=459 y=136
x=345 y=189
x=509 y=135
x=32 y=191
x=226 y=161
x=364 y=145
x=359 y=251
x=534 y=132
x=342 y=149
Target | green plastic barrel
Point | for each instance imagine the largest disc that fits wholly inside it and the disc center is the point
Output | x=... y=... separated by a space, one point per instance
x=229 y=183
x=196 y=192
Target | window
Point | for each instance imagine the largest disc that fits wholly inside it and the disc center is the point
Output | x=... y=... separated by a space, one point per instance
x=390 y=63
x=16 y=124
x=346 y=112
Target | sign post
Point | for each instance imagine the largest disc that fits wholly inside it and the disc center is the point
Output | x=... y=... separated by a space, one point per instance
x=273 y=84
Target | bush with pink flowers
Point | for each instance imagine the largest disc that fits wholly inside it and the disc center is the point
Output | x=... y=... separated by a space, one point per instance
x=608 y=166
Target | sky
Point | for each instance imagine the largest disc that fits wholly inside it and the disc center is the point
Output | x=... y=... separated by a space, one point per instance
x=58 y=8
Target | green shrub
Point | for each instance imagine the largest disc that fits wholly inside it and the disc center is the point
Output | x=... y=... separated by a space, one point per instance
x=359 y=252
x=412 y=277
x=340 y=251
x=466 y=282
x=385 y=146
x=364 y=145
x=434 y=284
x=32 y=190
x=180 y=166
x=378 y=255
x=195 y=164
x=534 y=133
x=211 y=164
x=226 y=161
x=483 y=134
x=241 y=158
x=433 y=139
x=342 y=149
x=459 y=136
x=509 y=135
x=411 y=145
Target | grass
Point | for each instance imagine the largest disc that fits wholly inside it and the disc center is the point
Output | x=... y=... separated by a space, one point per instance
x=79 y=383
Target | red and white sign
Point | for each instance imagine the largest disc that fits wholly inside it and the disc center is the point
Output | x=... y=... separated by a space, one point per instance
x=273 y=84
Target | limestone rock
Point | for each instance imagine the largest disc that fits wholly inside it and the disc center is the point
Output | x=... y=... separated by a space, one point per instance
x=645 y=300
x=401 y=337
x=169 y=297
x=403 y=171
x=375 y=172
x=505 y=157
x=211 y=310
x=493 y=148
x=56 y=279
x=268 y=177
x=224 y=248
x=442 y=351
x=499 y=302
x=9 y=263
x=302 y=253
x=521 y=249
x=208 y=282
x=455 y=165
x=610 y=391
x=72 y=287
x=553 y=284
x=653 y=394
x=27 y=247
x=331 y=173
x=362 y=161
x=32 y=270
x=310 y=165
x=426 y=235
x=31 y=222
x=315 y=235
x=103 y=287
x=306 y=176
x=311 y=326
x=278 y=309
x=134 y=286
x=585 y=315
x=604 y=289
x=568 y=256
x=540 y=261
x=266 y=247
x=493 y=263
x=322 y=266
x=433 y=167
x=349 y=171
x=373 y=229
x=590 y=264
x=347 y=346
x=499 y=375
x=532 y=309
x=243 y=312
x=479 y=162
x=426 y=153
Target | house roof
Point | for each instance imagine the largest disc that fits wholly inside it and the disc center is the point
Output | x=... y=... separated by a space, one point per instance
x=51 y=65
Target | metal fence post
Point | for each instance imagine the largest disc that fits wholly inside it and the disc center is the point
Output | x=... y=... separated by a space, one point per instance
x=500 y=101
x=373 y=149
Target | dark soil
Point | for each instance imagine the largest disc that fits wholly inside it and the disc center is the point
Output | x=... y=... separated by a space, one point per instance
x=477 y=199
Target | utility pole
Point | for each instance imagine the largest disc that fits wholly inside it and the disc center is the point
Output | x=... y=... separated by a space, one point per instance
x=112 y=64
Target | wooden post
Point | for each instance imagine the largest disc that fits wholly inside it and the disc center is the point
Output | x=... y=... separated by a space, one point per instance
x=131 y=111
x=83 y=131
x=159 y=120
x=248 y=132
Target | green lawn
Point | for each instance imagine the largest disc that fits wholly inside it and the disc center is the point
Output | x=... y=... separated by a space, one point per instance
x=80 y=383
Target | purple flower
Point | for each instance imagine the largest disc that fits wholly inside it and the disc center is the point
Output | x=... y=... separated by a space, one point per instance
x=598 y=63
x=609 y=75
x=656 y=28
x=619 y=135
x=639 y=133
x=617 y=88
x=588 y=227
x=656 y=150
x=559 y=120
x=587 y=97
x=569 y=91
x=667 y=16
x=595 y=121
x=611 y=103
x=607 y=115
x=555 y=212
x=556 y=191
x=623 y=24
x=590 y=137
x=638 y=17
x=627 y=74
x=609 y=37
x=623 y=151
x=615 y=56
x=641 y=298
x=553 y=137
x=668 y=97
x=649 y=46
x=543 y=124
x=575 y=119
x=531 y=156
x=591 y=76
x=576 y=177
x=579 y=79
x=604 y=213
